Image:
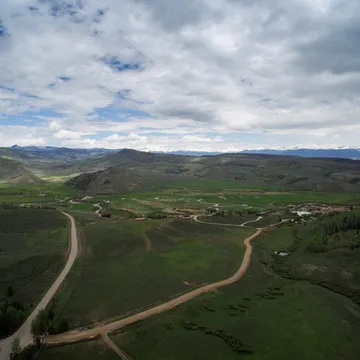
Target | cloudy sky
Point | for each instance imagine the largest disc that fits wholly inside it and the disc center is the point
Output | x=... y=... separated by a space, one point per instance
x=218 y=75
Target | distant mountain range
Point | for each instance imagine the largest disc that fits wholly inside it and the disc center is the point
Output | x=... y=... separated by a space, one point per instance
x=339 y=153
x=336 y=153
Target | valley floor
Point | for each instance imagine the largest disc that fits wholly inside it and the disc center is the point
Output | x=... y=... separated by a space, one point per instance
x=160 y=274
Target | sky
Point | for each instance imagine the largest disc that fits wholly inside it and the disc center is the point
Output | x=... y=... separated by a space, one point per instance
x=165 y=75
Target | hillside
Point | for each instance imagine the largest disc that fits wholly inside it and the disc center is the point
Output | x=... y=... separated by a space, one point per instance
x=52 y=161
x=117 y=180
x=12 y=171
x=259 y=170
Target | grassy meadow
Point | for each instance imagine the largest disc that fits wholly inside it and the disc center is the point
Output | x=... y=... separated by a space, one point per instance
x=269 y=317
x=82 y=351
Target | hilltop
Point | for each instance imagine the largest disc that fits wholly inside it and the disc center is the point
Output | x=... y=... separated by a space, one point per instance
x=257 y=169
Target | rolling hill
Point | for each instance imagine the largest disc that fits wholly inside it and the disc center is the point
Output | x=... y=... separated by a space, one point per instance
x=116 y=180
x=256 y=169
x=12 y=171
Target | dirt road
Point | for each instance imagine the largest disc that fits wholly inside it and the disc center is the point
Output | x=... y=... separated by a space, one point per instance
x=113 y=346
x=234 y=225
x=78 y=335
x=24 y=332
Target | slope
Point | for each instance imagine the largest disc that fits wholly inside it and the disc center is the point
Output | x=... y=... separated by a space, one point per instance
x=116 y=180
x=259 y=170
x=14 y=172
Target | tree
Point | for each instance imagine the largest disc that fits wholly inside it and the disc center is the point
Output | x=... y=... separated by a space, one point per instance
x=40 y=323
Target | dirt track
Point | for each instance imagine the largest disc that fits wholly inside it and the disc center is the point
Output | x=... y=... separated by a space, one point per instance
x=235 y=225
x=79 y=335
x=147 y=243
x=113 y=346
x=24 y=332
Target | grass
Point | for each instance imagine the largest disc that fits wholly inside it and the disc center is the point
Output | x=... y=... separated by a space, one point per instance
x=33 y=243
x=275 y=318
x=117 y=275
x=83 y=351
x=337 y=269
x=271 y=316
x=206 y=184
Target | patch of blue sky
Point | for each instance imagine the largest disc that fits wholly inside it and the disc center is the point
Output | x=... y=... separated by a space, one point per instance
x=115 y=114
x=64 y=78
x=117 y=65
x=3 y=30
x=24 y=119
x=13 y=90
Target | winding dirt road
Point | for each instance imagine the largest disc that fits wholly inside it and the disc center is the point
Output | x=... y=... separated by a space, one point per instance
x=24 y=332
x=81 y=334
x=234 y=225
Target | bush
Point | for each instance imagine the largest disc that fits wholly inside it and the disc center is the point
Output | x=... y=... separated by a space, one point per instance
x=156 y=215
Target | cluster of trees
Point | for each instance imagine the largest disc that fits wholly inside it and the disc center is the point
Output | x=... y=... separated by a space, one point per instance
x=335 y=223
x=47 y=322
x=156 y=215
x=12 y=314
x=332 y=231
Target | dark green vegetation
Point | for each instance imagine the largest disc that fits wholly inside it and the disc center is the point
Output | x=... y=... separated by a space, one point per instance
x=127 y=265
x=33 y=244
x=334 y=231
x=47 y=322
x=82 y=351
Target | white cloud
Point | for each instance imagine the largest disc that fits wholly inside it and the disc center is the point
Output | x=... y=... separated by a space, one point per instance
x=278 y=73
x=66 y=134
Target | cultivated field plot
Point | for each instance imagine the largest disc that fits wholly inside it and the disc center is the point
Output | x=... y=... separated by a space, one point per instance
x=33 y=244
x=128 y=265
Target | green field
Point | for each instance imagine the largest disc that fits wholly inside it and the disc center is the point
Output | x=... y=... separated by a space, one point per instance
x=33 y=245
x=116 y=274
x=83 y=351
x=284 y=307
